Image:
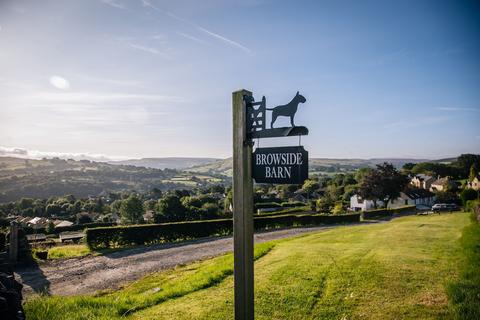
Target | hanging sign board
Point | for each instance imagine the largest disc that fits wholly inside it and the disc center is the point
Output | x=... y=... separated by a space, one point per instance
x=281 y=165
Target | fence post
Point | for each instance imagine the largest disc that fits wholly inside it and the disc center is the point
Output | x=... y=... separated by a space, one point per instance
x=242 y=210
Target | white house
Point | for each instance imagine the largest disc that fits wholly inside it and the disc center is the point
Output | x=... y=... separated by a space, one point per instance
x=407 y=198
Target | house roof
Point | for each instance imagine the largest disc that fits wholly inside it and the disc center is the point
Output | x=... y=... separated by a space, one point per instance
x=64 y=223
x=418 y=194
x=424 y=177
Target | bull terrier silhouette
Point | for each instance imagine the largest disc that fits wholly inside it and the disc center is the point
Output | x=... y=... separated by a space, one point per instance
x=287 y=110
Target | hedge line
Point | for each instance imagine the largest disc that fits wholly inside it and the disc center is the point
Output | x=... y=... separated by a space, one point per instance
x=264 y=205
x=386 y=213
x=75 y=227
x=101 y=238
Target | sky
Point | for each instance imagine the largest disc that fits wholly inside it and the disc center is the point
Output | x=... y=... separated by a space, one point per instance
x=136 y=78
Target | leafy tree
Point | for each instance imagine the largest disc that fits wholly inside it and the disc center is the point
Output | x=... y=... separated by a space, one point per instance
x=465 y=161
x=50 y=227
x=169 y=208
x=83 y=218
x=324 y=204
x=309 y=186
x=383 y=183
x=338 y=208
x=468 y=194
x=473 y=172
x=131 y=209
x=408 y=166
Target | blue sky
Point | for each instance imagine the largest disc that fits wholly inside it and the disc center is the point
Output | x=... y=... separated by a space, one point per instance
x=154 y=78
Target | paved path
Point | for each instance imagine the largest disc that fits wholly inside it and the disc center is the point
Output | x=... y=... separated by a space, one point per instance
x=92 y=273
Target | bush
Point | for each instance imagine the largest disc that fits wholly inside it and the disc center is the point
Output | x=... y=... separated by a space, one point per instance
x=267 y=205
x=101 y=238
x=467 y=195
x=386 y=213
x=75 y=227
x=292 y=204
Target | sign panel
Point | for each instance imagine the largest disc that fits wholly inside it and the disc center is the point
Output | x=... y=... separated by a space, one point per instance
x=282 y=165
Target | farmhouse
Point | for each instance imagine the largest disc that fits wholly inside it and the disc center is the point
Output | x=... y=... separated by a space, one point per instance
x=474 y=184
x=441 y=184
x=422 y=181
x=417 y=197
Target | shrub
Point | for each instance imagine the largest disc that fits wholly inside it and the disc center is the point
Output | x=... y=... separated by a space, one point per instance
x=292 y=204
x=267 y=205
x=100 y=238
x=386 y=213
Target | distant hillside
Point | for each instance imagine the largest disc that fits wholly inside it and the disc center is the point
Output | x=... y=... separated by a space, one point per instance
x=56 y=177
x=316 y=165
x=164 y=163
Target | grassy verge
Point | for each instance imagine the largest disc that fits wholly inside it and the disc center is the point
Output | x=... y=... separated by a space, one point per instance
x=395 y=270
x=69 y=251
x=465 y=292
x=147 y=292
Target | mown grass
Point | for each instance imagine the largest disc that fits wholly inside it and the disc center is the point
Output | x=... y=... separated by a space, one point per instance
x=465 y=292
x=394 y=270
x=69 y=251
x=147 y=292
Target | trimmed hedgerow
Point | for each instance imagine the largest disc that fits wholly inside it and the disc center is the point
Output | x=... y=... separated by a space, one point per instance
x=75 y=227
x=124 y=236
x=386 y=213
x=267 y=205
x=292 y=204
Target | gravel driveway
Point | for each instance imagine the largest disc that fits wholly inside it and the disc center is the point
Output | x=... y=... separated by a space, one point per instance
x=89 y=274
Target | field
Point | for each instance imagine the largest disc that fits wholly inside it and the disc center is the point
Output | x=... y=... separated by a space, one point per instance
x=394 y=270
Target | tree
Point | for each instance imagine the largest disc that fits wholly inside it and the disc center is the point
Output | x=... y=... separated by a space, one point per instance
x=169 y=208
x=465 y=162
x=383 y=183
x=310 y=186
x=131 y=209
x=468 y=194
x=83 y=218
x=473 y=172
x=408 y=166
x=324 y=204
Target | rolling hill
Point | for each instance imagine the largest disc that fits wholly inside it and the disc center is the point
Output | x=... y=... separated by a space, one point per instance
x=56 y=177
x=166 y=163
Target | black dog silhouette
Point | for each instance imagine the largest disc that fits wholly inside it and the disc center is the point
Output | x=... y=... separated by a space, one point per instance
x=287 y=110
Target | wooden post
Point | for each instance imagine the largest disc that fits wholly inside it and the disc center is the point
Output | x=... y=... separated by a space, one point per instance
x=242 y=209
x=13 y=242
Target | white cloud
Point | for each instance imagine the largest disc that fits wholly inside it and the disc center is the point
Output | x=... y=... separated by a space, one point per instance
x=143 y=48
x=59 y=82
x=96 y=98
x=226 y=40
x=114 y=3
x=217 y=36
x=190 y=37
x=36 y=154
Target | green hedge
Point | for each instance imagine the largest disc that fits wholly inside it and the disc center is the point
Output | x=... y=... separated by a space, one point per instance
x=267 y=205
x=124 y=236
x=386 y=213
x=75 y=227
x=292 y=204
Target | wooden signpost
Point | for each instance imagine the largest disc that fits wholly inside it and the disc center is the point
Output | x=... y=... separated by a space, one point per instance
x=286 y=165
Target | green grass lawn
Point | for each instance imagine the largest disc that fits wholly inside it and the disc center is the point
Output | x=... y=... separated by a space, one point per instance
x=68 y=251
x=394 y=270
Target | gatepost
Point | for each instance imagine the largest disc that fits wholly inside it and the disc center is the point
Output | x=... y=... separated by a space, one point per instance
x=242 y=209
x=283 y=165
